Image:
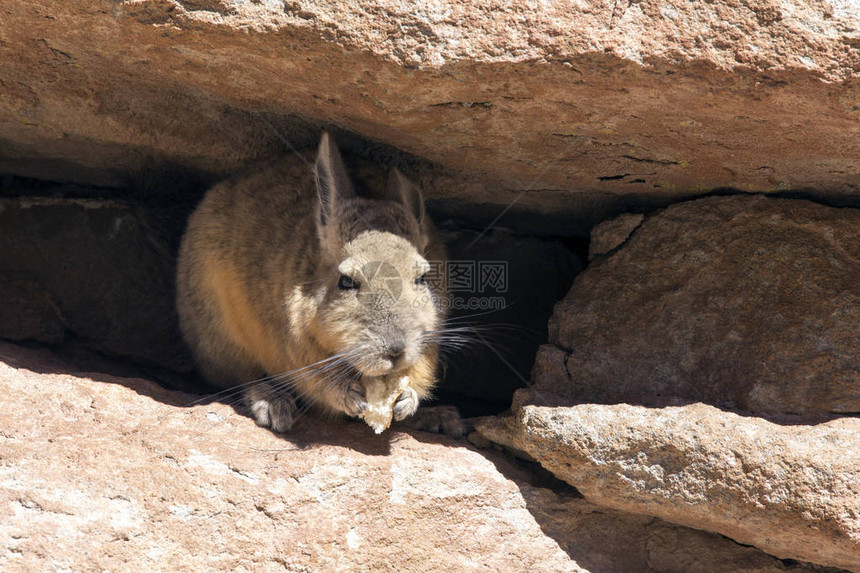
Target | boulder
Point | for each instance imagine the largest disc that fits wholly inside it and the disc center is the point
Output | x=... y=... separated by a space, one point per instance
x=98 y=471
x=791 y=491
x=742 y=302
x=745 y=303
x=568 y=110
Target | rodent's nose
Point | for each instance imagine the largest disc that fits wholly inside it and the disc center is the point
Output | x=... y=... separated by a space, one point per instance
x=396 y=353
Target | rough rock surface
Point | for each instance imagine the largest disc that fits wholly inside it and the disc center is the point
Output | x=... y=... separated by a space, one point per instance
x=792 y=491
x=742 y=302
x=569 y=109
x=611 y=234
x=89 y=270
x=118 y=474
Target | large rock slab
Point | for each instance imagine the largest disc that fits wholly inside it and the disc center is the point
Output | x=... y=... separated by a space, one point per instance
x=623 y=102
x=742 y=302
x=118 y=474
x=792 y=491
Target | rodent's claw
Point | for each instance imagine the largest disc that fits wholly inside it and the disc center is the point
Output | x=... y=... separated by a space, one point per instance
x=406 y=404
x=354 y=402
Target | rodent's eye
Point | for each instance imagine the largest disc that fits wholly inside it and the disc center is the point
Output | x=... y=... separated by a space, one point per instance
x=422 y=280
x=346 y=283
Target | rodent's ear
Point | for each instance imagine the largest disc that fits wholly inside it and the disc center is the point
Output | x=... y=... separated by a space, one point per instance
x=332 y=179
x=401 y=189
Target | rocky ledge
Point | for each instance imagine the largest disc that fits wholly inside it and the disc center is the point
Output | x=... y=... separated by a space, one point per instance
x=98 y=471
x=794 y=491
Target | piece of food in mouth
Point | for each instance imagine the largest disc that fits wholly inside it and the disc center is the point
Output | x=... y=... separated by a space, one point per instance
x=381 y=394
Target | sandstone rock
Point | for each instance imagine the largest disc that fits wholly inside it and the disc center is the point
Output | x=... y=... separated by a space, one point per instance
x=89 y=270
x=99 y=472
x=622 y=103
x=118 y=474
x=604 y=540
x=610 y=235
x=792 y=491
x=742 y=302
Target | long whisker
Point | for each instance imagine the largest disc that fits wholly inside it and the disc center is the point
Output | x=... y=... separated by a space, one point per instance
x=341 y=377
x=462 y=340
x=321 y=379
x=234 y=391
x=461 y=317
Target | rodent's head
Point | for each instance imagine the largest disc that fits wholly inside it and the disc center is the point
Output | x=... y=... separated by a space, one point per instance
x=377 y=303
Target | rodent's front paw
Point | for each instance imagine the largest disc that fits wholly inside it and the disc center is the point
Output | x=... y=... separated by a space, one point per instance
x=277 y=414
x=406 y=404
x=354 y=403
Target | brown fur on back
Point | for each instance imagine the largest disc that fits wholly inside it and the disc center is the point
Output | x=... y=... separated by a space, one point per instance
x=258 y=276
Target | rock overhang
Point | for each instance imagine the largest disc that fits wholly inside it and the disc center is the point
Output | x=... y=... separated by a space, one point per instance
x=571 y=110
